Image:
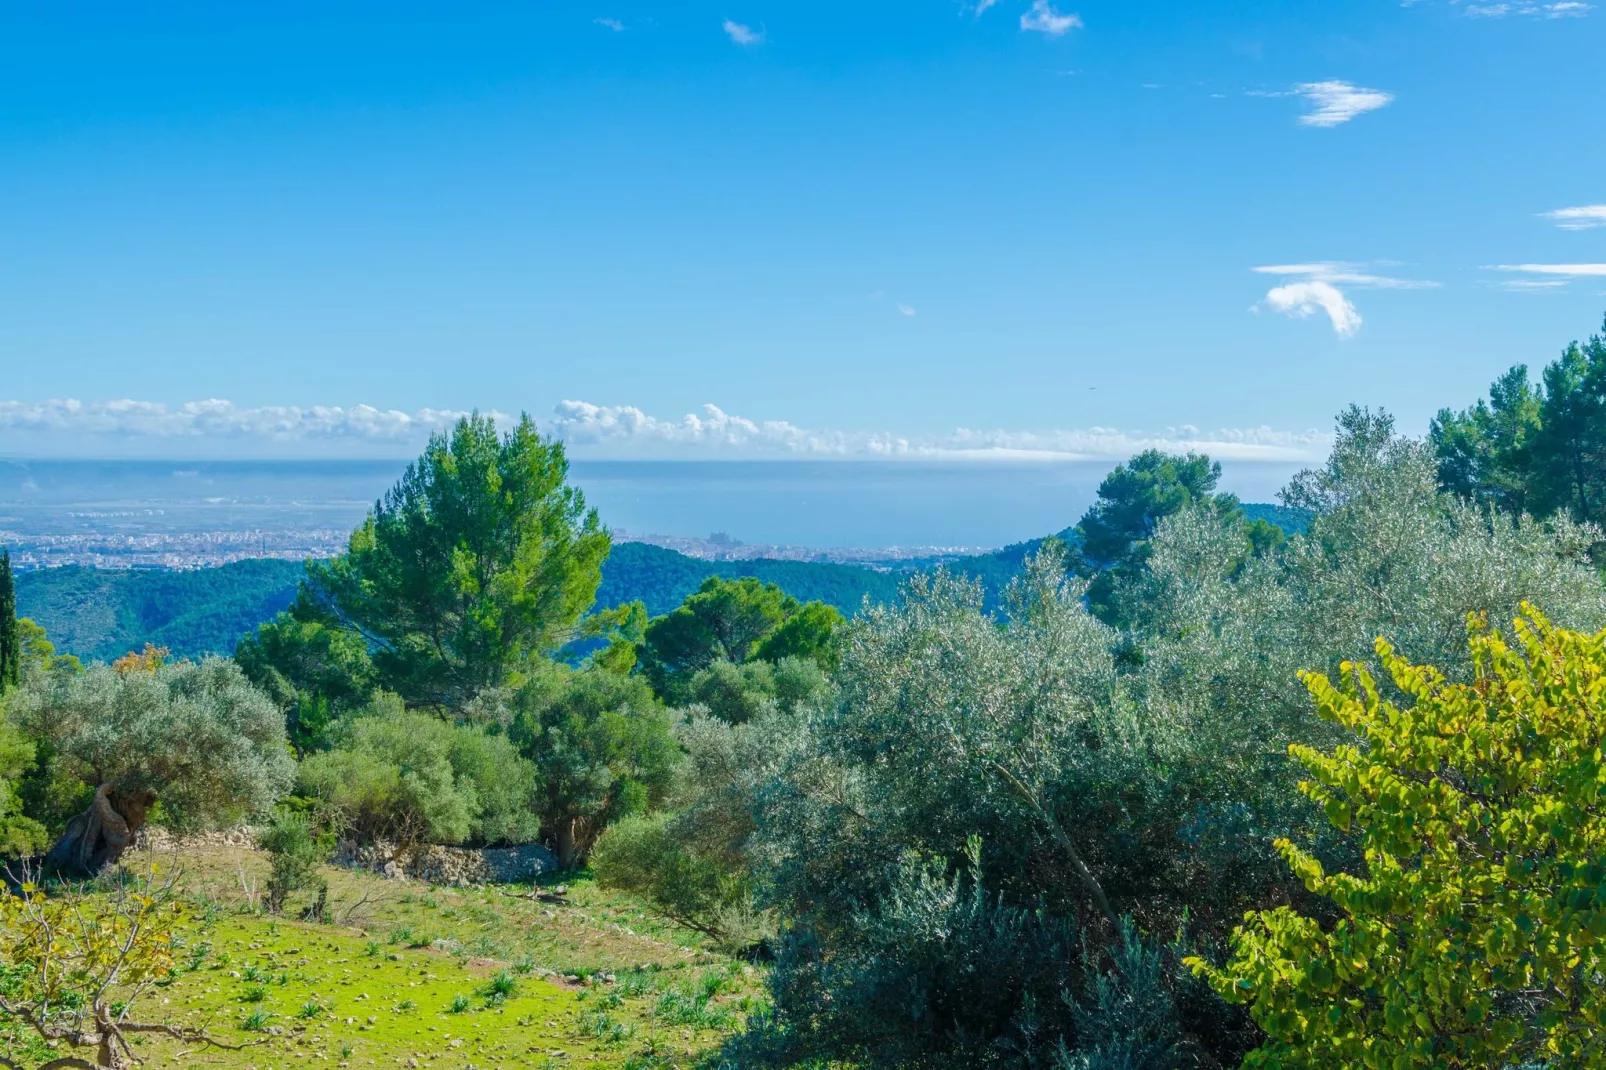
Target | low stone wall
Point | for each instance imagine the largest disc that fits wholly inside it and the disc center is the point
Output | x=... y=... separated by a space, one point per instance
x=449 y=865
x=159 y=839
x=438 y=865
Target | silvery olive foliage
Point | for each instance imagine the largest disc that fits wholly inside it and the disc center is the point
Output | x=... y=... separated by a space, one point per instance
x=1040 y=775
x=210 y=746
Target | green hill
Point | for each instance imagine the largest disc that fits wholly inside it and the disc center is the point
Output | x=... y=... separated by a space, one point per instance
x=100 y=614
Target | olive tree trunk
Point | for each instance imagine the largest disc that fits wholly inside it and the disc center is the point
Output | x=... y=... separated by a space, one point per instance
x=98 y=837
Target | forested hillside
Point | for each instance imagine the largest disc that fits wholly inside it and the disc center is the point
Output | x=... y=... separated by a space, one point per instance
x=100 y=614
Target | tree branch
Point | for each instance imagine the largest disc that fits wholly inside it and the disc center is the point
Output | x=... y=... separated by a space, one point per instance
x=1089 y=881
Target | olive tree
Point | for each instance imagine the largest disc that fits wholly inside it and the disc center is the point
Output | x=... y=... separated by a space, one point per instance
x=195 y=736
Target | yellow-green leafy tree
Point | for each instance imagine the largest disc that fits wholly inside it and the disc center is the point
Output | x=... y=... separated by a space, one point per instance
x=1476 y=936
x=73 y=963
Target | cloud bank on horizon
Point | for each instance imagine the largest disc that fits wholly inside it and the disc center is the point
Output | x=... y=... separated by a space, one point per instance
x=600 y=432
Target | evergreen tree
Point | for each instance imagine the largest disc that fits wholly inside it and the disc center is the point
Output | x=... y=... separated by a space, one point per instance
x=10 y=633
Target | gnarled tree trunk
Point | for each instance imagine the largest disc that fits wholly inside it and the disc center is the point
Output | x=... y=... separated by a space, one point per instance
x=98 y=837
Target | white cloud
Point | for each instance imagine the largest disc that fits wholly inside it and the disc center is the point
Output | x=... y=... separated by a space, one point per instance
x=1569 y=270
x=907 y=310
x=613 y=24
x=1531 y=285
x=626 y=431
x=214 y=418
x=743 y=35
x=1566 y=9
x=215 y=427
x=1304 y=299
x=1338 y=271
x=1317 y=289
x=981 y=7
x=1042 y=18
x=1337 y=102
x=1583 y=217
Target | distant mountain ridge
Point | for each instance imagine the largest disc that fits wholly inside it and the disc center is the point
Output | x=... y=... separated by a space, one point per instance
x=101 y=614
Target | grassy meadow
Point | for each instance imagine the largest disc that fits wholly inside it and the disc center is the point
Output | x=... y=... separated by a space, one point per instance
x=409 y=974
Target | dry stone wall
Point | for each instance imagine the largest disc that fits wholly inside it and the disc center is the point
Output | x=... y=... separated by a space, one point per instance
x=435 y=864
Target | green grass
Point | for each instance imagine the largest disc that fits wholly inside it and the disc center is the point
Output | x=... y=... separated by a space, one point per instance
x=446 y=976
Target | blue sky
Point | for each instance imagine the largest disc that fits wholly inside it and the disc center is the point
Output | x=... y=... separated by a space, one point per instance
x=907 y=228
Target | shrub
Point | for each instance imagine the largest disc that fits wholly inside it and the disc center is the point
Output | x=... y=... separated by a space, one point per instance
x=642 y=855
x=412 y=778
x=295 y=854
x=603 y=749
x=390 y=776
x=734 y=693
x=1474 y=936
x=505 y=785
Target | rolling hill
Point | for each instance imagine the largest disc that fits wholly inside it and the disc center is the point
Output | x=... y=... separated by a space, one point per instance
x=100 y=614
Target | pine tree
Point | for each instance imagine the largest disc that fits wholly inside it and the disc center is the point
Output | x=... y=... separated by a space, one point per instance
x=10 y=634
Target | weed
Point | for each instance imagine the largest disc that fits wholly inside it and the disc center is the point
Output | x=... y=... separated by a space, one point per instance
x=256 y=1022
x=406 y=1005
x=400 y=936
x=310 y=1009
x=503 y=986
x=372 y=949
x=602 y=1025
x=254 y=993
x=460 y=1003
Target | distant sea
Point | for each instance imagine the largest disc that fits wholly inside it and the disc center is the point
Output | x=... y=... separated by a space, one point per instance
x=797 y=503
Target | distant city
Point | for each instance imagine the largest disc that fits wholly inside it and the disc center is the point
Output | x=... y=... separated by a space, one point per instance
x=173 y=515
x=205 y=549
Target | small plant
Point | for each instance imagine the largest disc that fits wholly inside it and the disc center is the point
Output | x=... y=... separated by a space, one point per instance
x=254 y=993
x=406 y=1005
x=310 y=1009
x=372 y=949
x=346 y=1051
x=422 y=940
x=460 y=1004
x=256 y=1022
x=524 y=966
x=251 y=973
x=602 y=1026
x=401 y=936
x=295 y=853
x=501 y=987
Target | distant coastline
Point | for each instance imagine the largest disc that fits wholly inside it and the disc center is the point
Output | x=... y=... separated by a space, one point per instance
x=188 y=514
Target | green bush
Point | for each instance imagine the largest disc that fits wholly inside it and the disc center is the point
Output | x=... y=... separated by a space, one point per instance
x=603 y=748
x=644 y=855
x=410 y=777
x=295 y=853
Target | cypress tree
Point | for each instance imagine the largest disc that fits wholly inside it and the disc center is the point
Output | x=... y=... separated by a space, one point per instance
x=10 y=634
